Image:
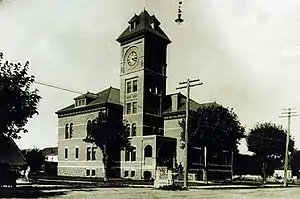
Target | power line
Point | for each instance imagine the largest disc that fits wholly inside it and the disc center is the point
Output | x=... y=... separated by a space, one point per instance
x=57 y=87
x=72 y=91
x=287 y=114
x=187 y=84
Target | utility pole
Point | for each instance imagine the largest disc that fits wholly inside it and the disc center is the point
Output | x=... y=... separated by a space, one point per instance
x=287 y=114
x=187 y=84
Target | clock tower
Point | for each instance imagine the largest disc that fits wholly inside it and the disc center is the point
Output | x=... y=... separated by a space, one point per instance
x=143 y=80
x=143 y=73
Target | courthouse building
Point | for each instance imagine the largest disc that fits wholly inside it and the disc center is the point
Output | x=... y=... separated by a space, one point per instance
x=142 y=100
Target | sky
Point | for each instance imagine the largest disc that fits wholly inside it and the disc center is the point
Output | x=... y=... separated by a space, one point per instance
x=244 y=51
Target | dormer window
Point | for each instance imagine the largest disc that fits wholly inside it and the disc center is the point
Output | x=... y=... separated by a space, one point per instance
x=80 y=102
x=132 y=25
x=152 y=25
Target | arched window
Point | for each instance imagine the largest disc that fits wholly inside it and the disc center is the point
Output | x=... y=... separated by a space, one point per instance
x=133 y=154
x=88 y=123
x=67 y=131
x=127 y=155
x=148 y=151
x=133 y=129
x=71 y=130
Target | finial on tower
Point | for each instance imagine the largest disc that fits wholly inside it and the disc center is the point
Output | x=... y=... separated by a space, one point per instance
x=144 y=4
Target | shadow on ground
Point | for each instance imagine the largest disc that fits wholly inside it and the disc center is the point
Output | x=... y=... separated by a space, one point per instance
x=28 y=193
x=36 y=192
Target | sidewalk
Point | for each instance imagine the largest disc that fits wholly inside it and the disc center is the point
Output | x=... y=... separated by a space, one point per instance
x=241 y=186
x=43 y=183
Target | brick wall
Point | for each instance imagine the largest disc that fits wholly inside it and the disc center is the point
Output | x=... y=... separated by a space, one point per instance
x=73 y=166
x=172 y=129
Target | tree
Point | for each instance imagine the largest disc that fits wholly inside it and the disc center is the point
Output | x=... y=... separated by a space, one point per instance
x=214 y=127
x=34 y=159
x=18 y=102
x=295 y=163
x=111 y=135
x=246 y=165
x=268 y=141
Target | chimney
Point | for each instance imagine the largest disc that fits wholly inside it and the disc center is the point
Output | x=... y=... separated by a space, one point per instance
x=174 y=102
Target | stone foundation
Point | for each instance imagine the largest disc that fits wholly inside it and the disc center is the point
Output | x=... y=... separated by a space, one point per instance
x=79 y=172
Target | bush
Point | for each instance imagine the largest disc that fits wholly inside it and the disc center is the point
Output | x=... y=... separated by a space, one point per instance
x=172 y=188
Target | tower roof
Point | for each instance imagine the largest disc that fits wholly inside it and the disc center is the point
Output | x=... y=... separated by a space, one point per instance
x=143 y=23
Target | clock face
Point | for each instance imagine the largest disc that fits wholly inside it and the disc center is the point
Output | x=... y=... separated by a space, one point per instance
x=132 y=58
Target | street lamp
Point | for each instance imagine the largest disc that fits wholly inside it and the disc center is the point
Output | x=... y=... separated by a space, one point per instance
x=179 y=20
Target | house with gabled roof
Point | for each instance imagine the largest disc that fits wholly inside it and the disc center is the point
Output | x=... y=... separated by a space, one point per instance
x=10 y=153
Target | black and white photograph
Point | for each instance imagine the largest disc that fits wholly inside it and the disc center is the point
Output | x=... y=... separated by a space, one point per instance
x=124 y=99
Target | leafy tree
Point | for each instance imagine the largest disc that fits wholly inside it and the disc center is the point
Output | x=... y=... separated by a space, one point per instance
x=215 y=127
x=246 y=165
x=268 y=141
x=18 y=102
x=34 y=159
x=111 y=135
x=295 y=163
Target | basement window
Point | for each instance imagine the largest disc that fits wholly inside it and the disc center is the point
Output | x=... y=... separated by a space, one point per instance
x=132 y=174
x=126 y=173
x=93 y=172
x=88 y=172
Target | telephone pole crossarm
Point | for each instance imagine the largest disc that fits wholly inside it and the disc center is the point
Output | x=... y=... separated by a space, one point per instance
x=187 y=84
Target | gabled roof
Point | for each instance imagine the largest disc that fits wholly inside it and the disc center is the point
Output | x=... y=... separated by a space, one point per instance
x=50 y=151
x=10 y=152
x=112 y=96
x=86 y=95
x=143 y=25
x=108 y=96
x=193 y=105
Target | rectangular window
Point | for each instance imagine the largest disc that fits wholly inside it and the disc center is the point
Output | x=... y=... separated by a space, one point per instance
x=93 y=172
x=88 y=172
x=88 y=153
x=94 y=153
x=126 y=173
x=128 y=108
x=133 y=155
x=132 y=173
x=154 y=130
x=134 y=86
x=134 y=107
x=66 y=153
x=76 y=152
x=127 y=154
x=128 y=85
